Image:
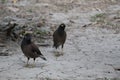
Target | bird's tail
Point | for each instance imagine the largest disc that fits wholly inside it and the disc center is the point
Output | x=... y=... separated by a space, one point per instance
x=43 y=57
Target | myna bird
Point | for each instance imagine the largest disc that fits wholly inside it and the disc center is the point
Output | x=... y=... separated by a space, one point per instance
x=29 y=49
x=59 y=36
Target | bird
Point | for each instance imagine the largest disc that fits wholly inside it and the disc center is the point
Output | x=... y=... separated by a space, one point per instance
x=29 y=49
x=59 y=36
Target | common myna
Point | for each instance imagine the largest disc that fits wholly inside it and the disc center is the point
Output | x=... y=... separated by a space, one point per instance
x=59 y=36
x=29 y=49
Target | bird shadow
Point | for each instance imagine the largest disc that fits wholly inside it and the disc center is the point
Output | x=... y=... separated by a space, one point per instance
x=31 y=64
x=41 y=65
x=58 y=53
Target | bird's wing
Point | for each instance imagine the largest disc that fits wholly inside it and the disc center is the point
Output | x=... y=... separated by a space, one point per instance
x=55 y=36
x=65 y=35
x=35 y=49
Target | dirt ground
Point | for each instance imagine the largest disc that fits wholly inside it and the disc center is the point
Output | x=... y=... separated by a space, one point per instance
x=92 y=48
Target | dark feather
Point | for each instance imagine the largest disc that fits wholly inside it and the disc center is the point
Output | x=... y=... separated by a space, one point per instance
x=29 y=49
x=59 y=36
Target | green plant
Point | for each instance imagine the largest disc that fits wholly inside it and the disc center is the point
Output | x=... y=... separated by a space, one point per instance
x=41 y=32
x=30 y=10
x=3 y=1
x=98 y=18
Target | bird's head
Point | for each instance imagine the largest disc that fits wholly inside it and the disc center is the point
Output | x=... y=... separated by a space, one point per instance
x=27 y=37
x=62 y=26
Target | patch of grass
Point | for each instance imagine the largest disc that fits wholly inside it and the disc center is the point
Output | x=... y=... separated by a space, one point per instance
x=110 y=24
x=41 y=32
x=58 y=54
x=99 y=18
x=105 y=20
x=3 y=1
x=30 y=10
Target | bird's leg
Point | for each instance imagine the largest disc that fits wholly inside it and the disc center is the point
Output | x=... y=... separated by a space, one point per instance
x=57 y=50
x=62 y=50
x=27 y=62
x=33 y=65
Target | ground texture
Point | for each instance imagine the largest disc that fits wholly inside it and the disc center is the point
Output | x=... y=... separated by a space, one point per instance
x=92 y=48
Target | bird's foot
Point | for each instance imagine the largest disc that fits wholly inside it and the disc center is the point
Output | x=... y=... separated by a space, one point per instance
x=58 y=54
x=33 y=65
x=27 y=65
x=62 y=53
x=30 y=66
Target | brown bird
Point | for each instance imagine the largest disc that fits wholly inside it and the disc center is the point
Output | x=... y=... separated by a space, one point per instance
x=59 y=36
x=29 y=49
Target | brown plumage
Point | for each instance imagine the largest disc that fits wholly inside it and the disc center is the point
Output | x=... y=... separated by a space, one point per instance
x=59 y=36
x=29 y=49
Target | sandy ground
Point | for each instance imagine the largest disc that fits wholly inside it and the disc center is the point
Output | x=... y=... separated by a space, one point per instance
x=90 y=53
